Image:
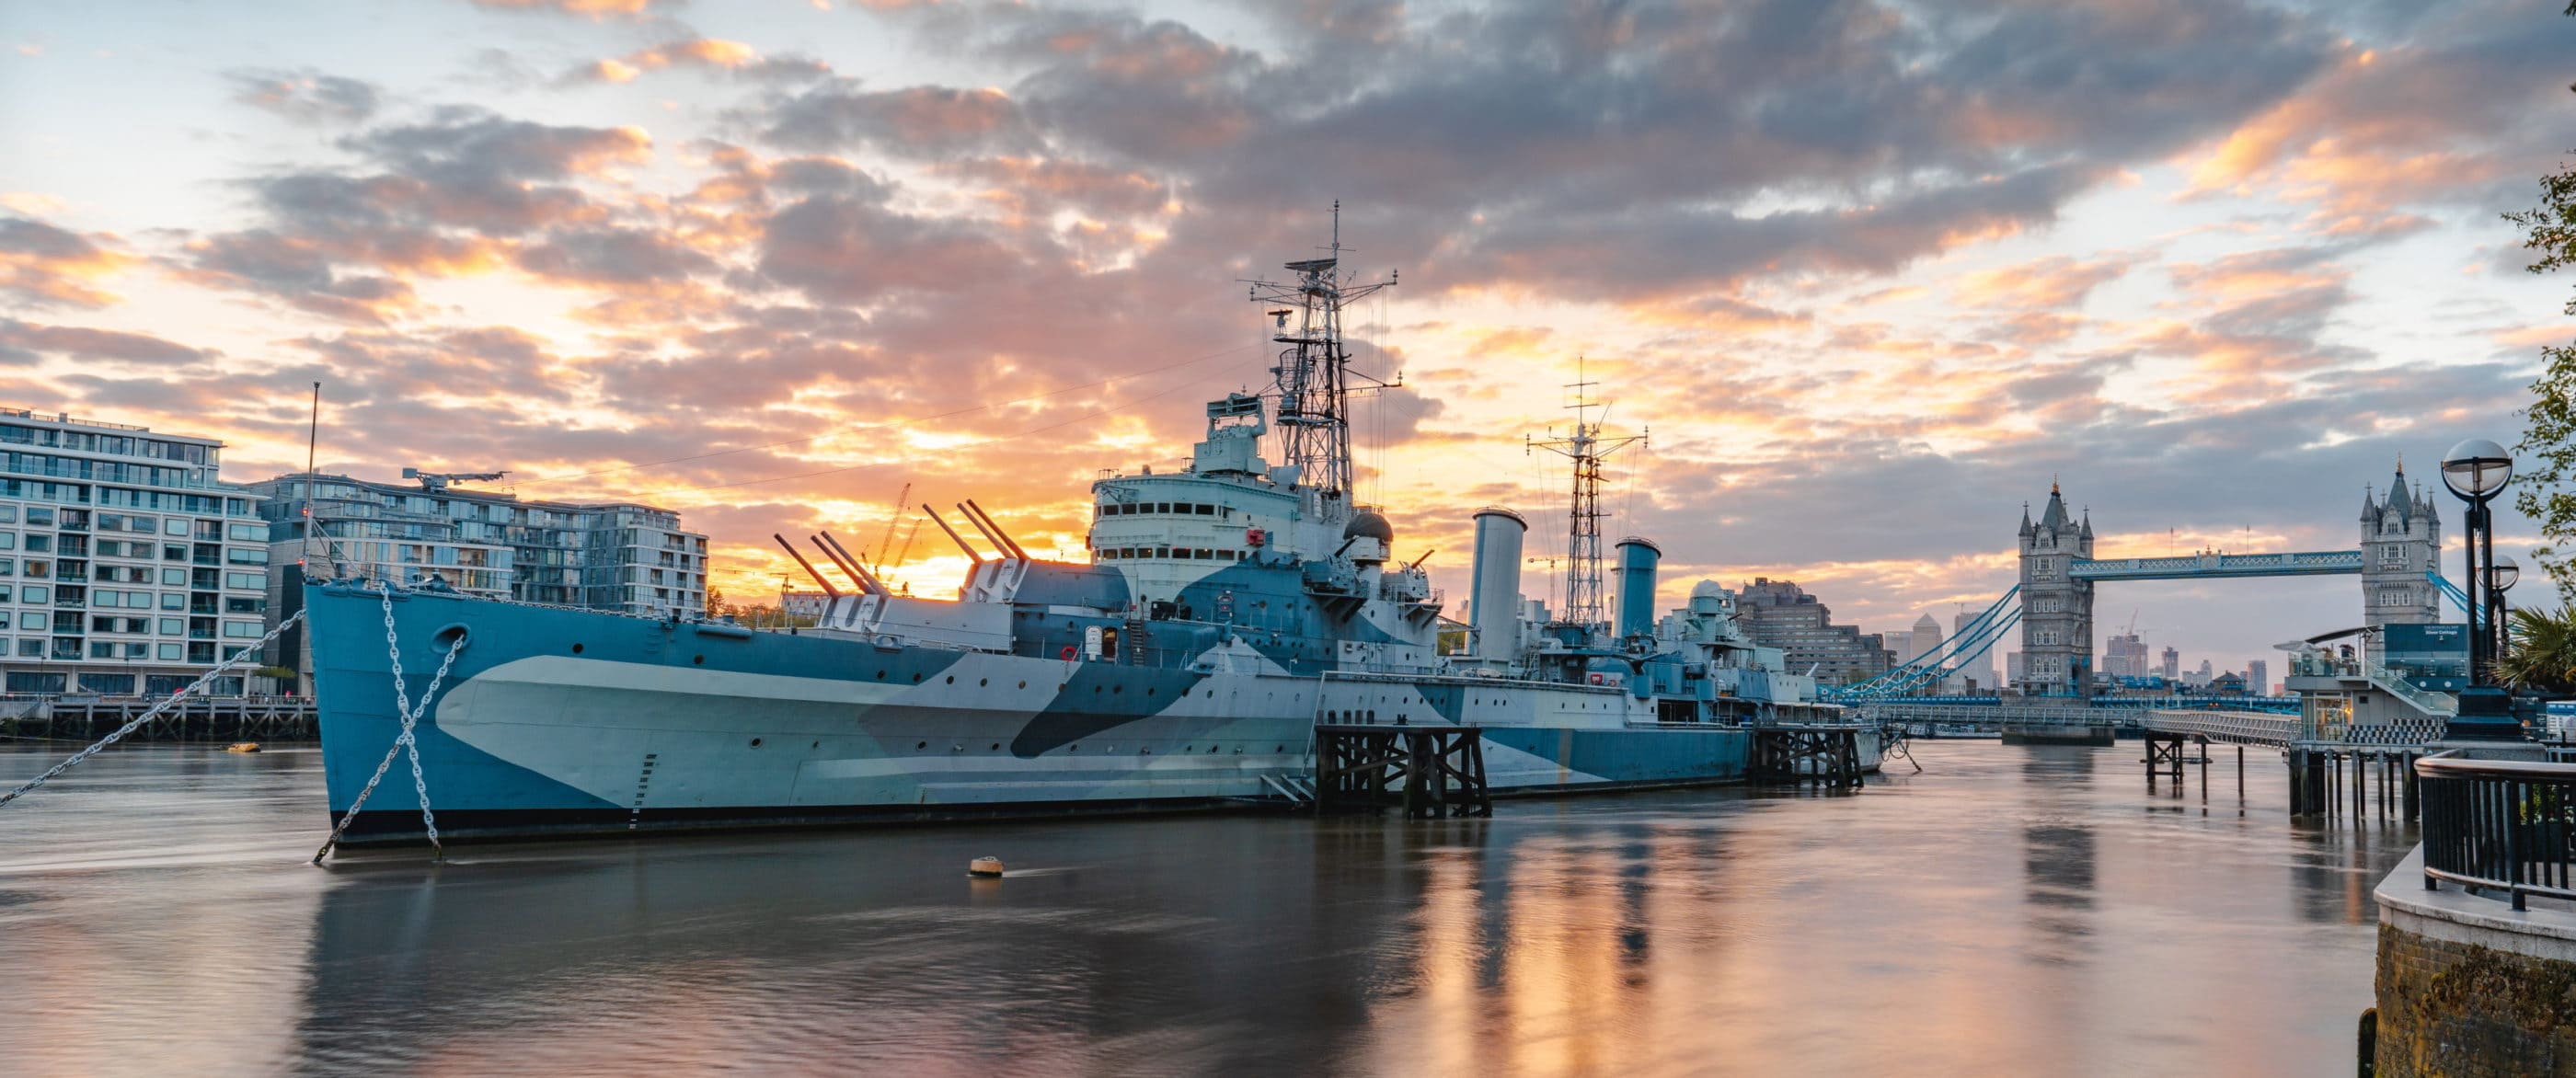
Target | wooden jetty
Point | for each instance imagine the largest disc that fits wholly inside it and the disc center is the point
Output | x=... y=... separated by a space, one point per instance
x=1432 y=771
x=1825 y=754
x=203 y=718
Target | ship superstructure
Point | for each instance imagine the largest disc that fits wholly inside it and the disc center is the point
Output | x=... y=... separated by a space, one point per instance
x=1227 y=609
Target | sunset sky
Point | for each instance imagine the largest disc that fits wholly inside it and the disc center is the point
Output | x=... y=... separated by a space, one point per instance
x=1872 y=273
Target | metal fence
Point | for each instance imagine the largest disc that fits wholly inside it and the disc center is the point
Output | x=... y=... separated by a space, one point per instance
x=2503 y=825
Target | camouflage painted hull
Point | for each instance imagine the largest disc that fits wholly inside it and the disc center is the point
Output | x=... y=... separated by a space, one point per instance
x=564 y=722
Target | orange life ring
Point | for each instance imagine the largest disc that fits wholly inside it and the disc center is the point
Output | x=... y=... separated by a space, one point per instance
x=1068 y=653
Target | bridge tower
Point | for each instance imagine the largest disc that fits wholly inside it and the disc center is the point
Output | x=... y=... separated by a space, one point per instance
x=2056 y=608
x=2401 y=539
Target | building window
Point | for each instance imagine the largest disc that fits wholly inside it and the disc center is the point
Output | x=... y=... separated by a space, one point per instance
x=2392 y=555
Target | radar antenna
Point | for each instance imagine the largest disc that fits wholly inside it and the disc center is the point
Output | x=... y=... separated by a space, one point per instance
x=1586 y=447
x=1314 y=379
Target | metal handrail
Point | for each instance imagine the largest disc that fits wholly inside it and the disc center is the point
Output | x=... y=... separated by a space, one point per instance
x=2425 y=700
x=2507 y=825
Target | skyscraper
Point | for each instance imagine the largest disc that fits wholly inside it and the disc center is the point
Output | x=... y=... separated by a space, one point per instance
x=2258 y=678
x=2172 y=664
x=1982 y=668
x=2125 y=656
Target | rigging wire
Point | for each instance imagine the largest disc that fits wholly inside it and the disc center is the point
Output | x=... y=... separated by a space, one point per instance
x=914 y=421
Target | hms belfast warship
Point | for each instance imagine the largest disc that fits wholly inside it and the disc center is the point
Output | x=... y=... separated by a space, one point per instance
x=1228 y=609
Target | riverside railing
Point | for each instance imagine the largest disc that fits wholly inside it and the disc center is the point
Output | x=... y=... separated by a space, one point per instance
x=2503 y=825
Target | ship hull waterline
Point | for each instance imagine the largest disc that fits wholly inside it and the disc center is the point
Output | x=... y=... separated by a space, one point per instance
x=557 y=722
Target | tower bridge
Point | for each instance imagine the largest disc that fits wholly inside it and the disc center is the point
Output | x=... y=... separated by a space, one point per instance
x=2396 y=559
x=2051 y=604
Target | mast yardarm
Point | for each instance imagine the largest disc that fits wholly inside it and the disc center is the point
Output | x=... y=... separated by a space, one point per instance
x=1586 y=447
x=1314 y=379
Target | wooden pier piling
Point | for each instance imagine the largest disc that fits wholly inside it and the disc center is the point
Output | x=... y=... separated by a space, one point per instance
x=1432 y=771
x=1826 y=755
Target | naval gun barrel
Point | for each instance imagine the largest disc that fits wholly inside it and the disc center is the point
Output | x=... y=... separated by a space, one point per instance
x=829 y=591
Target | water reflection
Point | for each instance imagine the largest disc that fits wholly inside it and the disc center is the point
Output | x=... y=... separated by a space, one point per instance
x=2009 y=910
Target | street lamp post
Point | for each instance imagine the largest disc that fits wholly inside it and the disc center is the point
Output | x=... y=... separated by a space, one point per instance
x=2477 y=470
x=2502 y=572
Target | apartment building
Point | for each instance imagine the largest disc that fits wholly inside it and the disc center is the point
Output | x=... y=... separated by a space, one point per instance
x=126 y=566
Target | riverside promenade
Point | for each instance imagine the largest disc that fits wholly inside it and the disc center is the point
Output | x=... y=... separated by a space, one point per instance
x=2477 y=926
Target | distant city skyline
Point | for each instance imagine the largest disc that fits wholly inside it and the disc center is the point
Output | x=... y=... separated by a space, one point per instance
x=1870 y=288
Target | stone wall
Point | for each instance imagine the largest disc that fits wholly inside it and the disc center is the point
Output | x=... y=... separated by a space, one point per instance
x=2468 y=987
x=2469 y=1011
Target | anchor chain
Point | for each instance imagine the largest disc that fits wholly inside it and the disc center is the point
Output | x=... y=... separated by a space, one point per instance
x=403 y=742
x=153 y=713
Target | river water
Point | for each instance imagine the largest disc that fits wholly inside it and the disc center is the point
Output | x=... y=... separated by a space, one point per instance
x=2007 y=911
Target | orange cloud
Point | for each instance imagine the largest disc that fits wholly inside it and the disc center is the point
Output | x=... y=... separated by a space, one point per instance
x=41 y=265
x=2053 y=283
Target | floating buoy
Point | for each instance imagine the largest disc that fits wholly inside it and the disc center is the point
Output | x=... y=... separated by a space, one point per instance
x=242 y=746
x=984 y=866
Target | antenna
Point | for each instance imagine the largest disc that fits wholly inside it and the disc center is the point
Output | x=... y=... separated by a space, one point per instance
x=1586 y=448
x=1313 y=380
x=312 y=479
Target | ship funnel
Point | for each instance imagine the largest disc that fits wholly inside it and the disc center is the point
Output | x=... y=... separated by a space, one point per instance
x=1497 y=596
x=1637 y=558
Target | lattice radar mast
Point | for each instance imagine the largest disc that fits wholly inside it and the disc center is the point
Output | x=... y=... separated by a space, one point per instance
x=1586 y=447
x=1314 y=381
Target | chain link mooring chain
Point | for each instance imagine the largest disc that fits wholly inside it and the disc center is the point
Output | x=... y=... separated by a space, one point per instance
x=405 y=741
x=154 y=712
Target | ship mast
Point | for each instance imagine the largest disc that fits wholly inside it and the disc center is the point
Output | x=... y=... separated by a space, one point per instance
x=1586 y=447
x=1314 y=379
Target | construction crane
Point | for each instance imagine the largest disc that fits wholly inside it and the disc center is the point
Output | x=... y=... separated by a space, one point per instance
x=905 y=551
x=903 y=501
x=436 y=482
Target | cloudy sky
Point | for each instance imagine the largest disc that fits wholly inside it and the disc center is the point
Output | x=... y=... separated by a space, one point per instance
x=1871 y=273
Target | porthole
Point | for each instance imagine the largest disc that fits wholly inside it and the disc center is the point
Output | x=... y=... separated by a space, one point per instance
x=916 y=679
x=1149 y=691
x=881 y=675
x=1073 y=748
x=700 y=660
x=576 y=649
x=1095 y=690
x=952 y=679
x=815 y=745
x=921 y=744
x=981 y=682
x=997 y=746
x=1116 y=689
x=1024 y=684
x=755 y=742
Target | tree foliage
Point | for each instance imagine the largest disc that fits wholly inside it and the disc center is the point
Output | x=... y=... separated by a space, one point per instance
x=2547 y=468
x=2542 y=653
